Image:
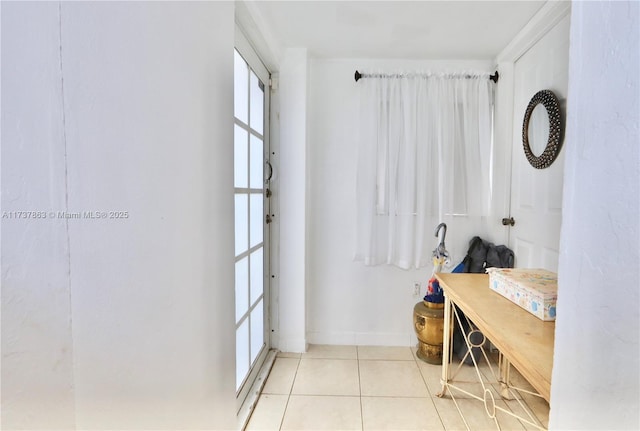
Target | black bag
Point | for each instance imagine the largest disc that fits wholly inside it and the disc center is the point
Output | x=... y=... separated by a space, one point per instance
x=481 y=255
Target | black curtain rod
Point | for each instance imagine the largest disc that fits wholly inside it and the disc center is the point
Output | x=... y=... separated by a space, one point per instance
x=493 y=77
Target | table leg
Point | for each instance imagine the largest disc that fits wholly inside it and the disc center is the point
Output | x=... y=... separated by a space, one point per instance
x=447 y=333
x=505 y=367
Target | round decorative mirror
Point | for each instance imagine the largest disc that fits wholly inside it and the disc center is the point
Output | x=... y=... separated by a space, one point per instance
x=542 y=129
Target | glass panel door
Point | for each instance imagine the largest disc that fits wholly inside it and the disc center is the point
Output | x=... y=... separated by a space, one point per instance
x=251 y=234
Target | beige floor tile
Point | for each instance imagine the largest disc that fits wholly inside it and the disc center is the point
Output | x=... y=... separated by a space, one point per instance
x=327 y=377
x=507 y=422
x=281 y=377
x=463 y=376
x=322 y=413
x=468 y=374
x=385 y=353
x=474 y=414
x=470 y=389
x=396 y=393
x=464 y=372
x=542 y=419
x=268 y=413
x=288 y=355
x=537 y=405
x=491 y=370
x=448 y=414
x=320 y=351
x=474 y=389
x=399 y=414
x=391 y=379
x=520 y=382
x=431 y=374
x=512 y=394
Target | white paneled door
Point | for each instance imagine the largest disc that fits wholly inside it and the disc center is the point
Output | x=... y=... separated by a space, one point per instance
x=251 y=102
x=536 y=194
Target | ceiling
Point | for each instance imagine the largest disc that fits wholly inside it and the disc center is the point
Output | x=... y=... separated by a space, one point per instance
x=392 y=29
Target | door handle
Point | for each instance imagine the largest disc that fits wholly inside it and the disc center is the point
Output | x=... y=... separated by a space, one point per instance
x=270 y=171
x=508 y=221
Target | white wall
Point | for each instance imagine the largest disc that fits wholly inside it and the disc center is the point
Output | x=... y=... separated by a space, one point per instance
x=118 y=323
x=349 y=303
x=37 y=347
x=596 y=367
x=290 y=116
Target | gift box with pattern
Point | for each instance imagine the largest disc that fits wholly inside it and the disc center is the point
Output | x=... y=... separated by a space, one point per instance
x=535 y=290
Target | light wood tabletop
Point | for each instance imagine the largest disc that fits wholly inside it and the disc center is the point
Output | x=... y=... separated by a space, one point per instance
x=521 y=337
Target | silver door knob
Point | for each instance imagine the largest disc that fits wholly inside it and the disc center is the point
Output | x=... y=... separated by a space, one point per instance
x=508 y=221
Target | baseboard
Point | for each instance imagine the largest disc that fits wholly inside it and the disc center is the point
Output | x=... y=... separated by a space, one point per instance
x=363 y=338
x=291 y=344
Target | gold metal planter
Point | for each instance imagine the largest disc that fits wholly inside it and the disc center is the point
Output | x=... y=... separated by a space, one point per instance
x=428 y=322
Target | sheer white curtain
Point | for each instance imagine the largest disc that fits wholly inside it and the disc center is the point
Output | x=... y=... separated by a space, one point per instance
x=424 y=152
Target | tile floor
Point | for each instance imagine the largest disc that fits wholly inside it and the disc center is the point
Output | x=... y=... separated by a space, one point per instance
x=370 y=388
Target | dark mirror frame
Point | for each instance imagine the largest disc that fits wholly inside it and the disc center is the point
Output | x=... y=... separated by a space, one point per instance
x=550 y=102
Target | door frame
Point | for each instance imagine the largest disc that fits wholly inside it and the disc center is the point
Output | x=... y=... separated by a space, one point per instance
x=544 y=21
x=256 y=65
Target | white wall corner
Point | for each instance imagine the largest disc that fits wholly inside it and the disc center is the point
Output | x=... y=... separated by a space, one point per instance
x=544 y=20
x=293 y=344
x=502 y=151
x=253 y=25
x=293 y=191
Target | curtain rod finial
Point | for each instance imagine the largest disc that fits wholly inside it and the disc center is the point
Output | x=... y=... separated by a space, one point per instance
x=357 y=75
x=495 y=77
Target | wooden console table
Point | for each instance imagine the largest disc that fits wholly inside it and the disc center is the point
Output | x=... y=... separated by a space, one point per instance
x=523 y=340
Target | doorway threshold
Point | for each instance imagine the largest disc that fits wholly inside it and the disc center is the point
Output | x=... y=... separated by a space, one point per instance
x=249 y=404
